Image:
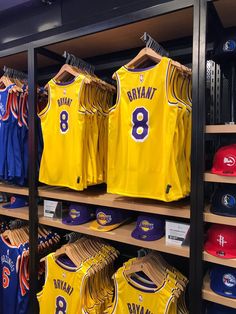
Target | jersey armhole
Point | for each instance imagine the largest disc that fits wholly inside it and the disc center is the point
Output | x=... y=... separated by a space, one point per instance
x=168 y=85
x=40 y=293
x=118 y=93
x=43 y=112
x=115 y=300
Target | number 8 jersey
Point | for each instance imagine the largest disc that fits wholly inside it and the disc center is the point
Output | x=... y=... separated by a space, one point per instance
x=141 y=131
x=63 y=135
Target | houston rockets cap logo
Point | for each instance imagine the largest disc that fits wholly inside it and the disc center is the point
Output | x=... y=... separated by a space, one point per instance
x=221 y=240
x=103 y=219
x=229 y=161
x=229 y=280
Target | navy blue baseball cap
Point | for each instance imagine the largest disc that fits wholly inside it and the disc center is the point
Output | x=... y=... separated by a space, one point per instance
x=223 y=281
x=17 y=202
x=79 y=214
x=215 y=308
x=224 y=201
x=149 y=228
x=109 y=218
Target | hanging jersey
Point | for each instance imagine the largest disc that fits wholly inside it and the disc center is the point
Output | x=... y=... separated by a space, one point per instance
x=4 y=129
x=141 y=131
x=63 y=132
x=63 y=286
x=129 y=299
x=9 y=274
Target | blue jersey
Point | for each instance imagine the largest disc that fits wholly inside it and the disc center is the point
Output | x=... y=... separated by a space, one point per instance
x=4 y=128
x=9 y=274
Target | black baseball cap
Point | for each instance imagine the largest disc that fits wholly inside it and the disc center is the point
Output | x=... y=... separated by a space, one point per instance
x=224 y=201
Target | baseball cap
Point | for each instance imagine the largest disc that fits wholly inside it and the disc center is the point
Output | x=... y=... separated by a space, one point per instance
x=108 y=219
x=215 y=308
x=149 y=228
x=224 y=201
x=225 y=161
x=17 y=202
x=221 y=241
x=79 y=214
x=223 y=281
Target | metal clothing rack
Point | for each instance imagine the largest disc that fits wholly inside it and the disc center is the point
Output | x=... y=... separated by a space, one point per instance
x=14 y=73
x=154 y=45
x=75 y=61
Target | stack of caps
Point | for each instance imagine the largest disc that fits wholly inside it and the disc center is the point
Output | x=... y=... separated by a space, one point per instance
x=221 y=241
x=224 y=163
x=17 y=202
x=224 y=201
x=149 y=228
x=79 y=214
x=223 y=281
x=108 y=219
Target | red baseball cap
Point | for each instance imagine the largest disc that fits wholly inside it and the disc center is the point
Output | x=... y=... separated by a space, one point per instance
x=225 y=161
x=221 y=241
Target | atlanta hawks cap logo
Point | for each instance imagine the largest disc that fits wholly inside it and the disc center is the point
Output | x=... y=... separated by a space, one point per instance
x=229 y=161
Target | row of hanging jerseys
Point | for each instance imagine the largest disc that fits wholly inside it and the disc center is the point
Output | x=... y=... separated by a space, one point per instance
x=140 y=146
x=14 y=264
x=80 y=278
x=14 y=131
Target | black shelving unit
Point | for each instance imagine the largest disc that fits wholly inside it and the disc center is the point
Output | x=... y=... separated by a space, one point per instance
x=45 y=47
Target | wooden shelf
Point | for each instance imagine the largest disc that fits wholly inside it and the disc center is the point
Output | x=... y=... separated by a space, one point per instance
x=217 y=260
x=121 y=234
x=210 y=177
x=13 y=189
x=97 y=196
x=210 y=295
x=20 y=213
x=210 y=217
x=222 y=128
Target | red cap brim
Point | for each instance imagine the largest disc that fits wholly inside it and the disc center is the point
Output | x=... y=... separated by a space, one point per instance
x=215 y=251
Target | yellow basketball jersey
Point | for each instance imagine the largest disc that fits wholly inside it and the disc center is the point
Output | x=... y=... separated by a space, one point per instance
x=63 y=131
x=129 y=299
x=141 y=131
x=61 y=291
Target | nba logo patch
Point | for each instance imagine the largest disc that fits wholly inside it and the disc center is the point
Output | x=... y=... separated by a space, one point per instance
x=141 y=78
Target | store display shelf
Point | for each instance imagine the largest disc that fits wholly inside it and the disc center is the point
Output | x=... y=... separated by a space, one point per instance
x=121 y=234
x=209 y=295
x=20 y=213
x=13 y=189
x=100 y=197
x=210 y=217
x=210 y=177
x=221 y=128
x=221 y=261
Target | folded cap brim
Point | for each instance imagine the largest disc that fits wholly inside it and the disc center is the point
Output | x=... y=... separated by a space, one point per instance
x=96 y=226
x=223 y=212
x=222 y=173
x=13 y=206
x=137 y=234
x=211 y=249
x=70 y=221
